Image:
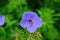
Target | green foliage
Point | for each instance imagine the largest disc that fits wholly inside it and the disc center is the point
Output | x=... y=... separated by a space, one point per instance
x=48 y=10
x=47 y=17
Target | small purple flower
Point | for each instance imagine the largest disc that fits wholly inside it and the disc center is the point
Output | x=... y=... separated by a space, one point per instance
x=31 y=21
x=2 y=20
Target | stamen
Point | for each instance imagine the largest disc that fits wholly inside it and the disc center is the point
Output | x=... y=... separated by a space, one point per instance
x=30 y=22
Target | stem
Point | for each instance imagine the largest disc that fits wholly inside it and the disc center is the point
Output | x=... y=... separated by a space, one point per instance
x=30 y=36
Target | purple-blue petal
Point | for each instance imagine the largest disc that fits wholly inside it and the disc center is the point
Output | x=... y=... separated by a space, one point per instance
x=24 y=23
x=38 y=22
x=2 y=20
x=28 y=15
x=32 y=28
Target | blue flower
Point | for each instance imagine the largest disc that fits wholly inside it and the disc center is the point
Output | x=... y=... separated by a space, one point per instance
x=2 y=20
x=31 y=21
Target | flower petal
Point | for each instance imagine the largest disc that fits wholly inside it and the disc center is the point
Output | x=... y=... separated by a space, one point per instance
x=31 y=29
x=29 y=15
x=38 y=22
x=23 y=23
x=1 y=23
x=2 y=19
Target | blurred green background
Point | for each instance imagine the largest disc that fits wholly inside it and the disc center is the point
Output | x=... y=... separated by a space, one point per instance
x=48 y=10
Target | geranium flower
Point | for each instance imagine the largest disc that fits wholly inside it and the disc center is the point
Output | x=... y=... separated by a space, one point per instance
x=31 y=21
x=2 y=20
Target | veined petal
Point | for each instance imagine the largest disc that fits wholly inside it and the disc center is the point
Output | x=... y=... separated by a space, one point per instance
x=31 y=29
x=29 y=15
x=38 y=22
x=24 y=23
